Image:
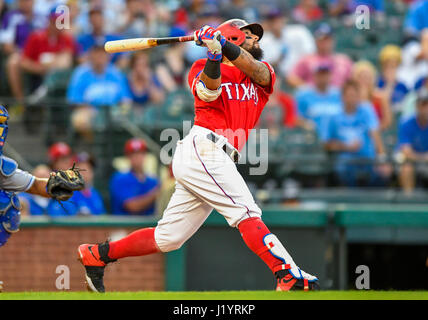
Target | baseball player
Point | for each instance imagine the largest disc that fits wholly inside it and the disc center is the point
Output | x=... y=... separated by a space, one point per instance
x=230 y=89
x=60 y=185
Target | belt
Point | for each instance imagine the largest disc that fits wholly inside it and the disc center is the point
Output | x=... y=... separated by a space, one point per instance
x=231 y=152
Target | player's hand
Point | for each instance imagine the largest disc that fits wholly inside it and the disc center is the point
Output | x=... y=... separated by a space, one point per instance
x=197 y=35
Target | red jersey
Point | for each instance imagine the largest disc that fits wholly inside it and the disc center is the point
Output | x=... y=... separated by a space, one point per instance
x=39 y=43
x=236 y=111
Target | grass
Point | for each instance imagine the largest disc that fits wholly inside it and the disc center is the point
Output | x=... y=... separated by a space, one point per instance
x=220 y=295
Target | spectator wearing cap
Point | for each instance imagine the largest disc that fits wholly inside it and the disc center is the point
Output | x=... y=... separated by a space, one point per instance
x=97 y=37
x=134 y=192
x=143 y=85
x=94 y=85
x=416 y=18
x=390 y=61
x=303 y=71
x=365 y=73
x=286 y=42
x=307 y=11
x=60 y=156
x=412 y=148
x=348 y=7
x=44 y=52
x=354 y=138
x=317 y=102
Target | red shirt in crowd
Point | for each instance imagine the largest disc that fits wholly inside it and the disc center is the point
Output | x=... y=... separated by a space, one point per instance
x=236 y=111
x=39 y=43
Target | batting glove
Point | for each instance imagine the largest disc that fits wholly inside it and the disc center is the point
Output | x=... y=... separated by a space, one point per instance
x=213 y=40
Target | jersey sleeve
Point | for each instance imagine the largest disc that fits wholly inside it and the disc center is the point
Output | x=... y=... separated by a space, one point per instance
x=194 y=74
x=269 y=89
x=17 y=182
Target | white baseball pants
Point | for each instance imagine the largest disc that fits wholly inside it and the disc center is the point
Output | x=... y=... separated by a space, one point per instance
x=206 y=178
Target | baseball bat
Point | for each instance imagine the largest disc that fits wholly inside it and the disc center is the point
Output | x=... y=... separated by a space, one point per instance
x=141 y=43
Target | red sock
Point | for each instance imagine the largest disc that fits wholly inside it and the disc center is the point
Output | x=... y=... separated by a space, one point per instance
x=253 y=231
x=138 y=243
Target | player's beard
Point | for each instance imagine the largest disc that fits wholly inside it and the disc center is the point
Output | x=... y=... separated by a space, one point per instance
x=257 y=53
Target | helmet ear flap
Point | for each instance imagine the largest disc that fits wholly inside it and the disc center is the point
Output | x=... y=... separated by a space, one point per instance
x=232 y=33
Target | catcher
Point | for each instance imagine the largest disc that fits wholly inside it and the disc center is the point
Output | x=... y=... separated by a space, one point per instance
x=59 y=186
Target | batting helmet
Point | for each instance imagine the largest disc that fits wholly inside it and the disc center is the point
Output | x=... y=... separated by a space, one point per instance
x=232 y=30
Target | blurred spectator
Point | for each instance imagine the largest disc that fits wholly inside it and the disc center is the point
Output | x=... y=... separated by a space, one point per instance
x=207 y=14
x=409 y=104
x=97 y=36
x=353 y=135
x=416 y=19
x=135 y=21
x=364 y=72
x=283 y=43
x=307 y=11
x=302 y=72
x=318 y=102
x=280 y=111
x=134 y=193
x=390 y=60
x=44 y=52
x=239 y=9
x=3 y=9
x=171 y=70
x=143 y=85
x=74 y=10
x=93 y=85
x=60 y=156
x=415 y=60
x=33 y=204
x=413 y=145
x=16 y=26
x=342 y=7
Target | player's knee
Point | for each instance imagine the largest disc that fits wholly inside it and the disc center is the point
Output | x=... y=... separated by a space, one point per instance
x=169 y=242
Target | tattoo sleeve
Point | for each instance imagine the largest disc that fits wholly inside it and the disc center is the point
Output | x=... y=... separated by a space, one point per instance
x=253 y=68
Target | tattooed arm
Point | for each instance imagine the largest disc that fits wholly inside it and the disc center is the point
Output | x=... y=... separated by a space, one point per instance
x=243 y=60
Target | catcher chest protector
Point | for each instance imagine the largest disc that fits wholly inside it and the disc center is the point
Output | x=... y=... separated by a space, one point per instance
x=232 y=30
x=10 y=216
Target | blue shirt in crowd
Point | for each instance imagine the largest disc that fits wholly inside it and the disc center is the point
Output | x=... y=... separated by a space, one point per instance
x=349 y=128
x=89 y=40
x=88 y=87
x=82 y=202
x=124 y=186
x=411 y=133
x=416 y=19
x=318 y=107
x=399 y=92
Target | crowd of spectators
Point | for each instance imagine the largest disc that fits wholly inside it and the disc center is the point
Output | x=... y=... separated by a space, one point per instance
x=348 y=103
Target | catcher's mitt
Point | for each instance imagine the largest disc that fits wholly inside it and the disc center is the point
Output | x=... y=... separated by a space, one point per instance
x=63 y=183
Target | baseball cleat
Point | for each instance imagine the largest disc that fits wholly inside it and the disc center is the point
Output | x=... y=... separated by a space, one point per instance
x=94 y=258
x=286 y=282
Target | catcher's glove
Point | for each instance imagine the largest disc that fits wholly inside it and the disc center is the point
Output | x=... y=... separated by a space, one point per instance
x=62 y=184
